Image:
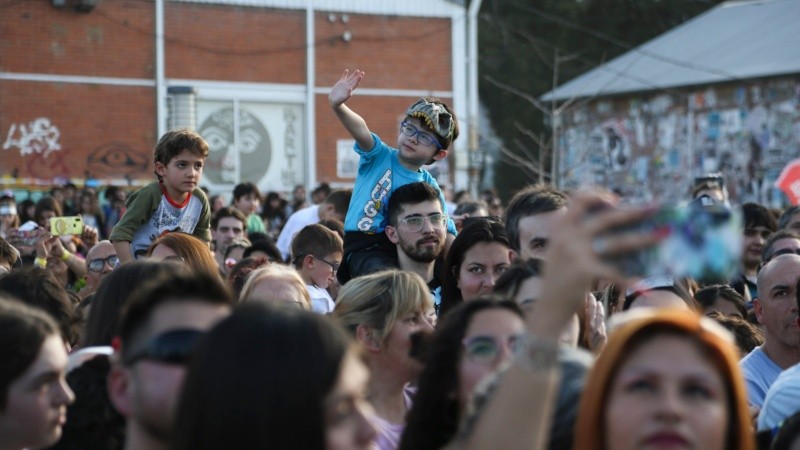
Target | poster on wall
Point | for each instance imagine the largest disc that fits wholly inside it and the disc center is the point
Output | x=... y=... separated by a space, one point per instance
x=346 y=159
x=259 y=142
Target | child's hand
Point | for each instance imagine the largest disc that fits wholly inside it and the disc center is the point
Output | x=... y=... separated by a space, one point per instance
x=343 y=89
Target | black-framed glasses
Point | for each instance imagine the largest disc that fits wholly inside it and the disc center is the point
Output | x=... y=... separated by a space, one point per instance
x=170 y=347
x=334 y=266
x=96 y=265
x=484 y=350
x=415 y=223
x=423 y=137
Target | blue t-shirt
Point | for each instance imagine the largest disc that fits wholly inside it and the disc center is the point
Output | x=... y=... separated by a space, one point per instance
x=379 y=173
x=759 y=373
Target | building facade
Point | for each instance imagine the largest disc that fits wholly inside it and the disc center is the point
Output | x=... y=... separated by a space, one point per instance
x=86 y=94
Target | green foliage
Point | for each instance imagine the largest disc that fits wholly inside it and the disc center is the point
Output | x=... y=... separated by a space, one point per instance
x=518 y=43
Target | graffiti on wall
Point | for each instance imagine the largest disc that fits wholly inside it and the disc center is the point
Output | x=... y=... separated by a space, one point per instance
x=116 y=159
x=653 y=147
x=38 y=137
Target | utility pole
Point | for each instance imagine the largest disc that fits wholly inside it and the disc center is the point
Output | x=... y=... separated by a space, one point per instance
x=474 y=153
x=555 y=121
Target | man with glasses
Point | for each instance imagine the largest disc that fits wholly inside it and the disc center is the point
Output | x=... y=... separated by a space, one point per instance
x=426 y=132
x=101 y=259
x=418 y=228
x=159 y=328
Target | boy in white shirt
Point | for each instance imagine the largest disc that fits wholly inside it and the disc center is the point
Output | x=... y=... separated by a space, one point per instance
x=316 y=253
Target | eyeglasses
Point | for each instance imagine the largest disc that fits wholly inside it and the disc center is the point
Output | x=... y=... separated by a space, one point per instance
x=96 y=265
x=334 y=266
x=415 y=223
x=484 y=350
x=171 y=347
x=422 y=137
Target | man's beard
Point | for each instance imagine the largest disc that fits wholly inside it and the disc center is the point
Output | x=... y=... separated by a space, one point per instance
x=416 y=252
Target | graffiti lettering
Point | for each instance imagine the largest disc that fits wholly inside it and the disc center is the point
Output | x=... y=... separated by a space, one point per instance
x=38 y=137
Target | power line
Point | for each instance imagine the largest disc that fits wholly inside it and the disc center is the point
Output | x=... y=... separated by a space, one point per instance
x=624 y=45
x=604 y=67
x=274 y=50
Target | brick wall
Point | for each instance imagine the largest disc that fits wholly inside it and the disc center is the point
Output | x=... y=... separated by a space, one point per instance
x=214 y=42
x=109 y=131
x=115 y=40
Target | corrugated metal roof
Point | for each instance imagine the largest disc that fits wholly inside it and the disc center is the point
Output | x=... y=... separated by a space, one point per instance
x=733 y=41
x=414 y=8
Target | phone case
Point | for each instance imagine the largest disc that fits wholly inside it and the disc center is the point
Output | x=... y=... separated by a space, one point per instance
x=63 y=226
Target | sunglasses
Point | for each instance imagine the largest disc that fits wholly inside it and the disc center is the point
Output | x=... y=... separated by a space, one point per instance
x=96 y=265
x=171 y=347
x=484 y=350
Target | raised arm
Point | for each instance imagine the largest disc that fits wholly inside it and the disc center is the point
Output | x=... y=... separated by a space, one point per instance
x=355 y=124
x=518 y=414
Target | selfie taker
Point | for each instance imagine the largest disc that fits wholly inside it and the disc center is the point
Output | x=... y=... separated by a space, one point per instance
x=702 y=240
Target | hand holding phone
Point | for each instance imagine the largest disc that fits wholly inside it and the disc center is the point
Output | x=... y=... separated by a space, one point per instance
x=65 y=226
x=703 y=240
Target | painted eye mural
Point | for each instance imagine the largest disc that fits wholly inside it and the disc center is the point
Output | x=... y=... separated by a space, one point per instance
x=251 y=154
x=116 y=159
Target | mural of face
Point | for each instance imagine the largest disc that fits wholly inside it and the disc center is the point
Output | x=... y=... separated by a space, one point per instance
x=254 y=148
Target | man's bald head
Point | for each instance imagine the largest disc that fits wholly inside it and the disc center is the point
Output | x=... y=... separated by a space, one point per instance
x=100 y=251
x=780 y=262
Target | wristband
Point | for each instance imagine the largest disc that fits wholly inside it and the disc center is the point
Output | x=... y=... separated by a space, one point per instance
x=65 y=256
x=41 y=262
x=534 y=354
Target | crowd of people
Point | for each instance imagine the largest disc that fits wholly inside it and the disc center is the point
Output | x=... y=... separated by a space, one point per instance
x=389 y=316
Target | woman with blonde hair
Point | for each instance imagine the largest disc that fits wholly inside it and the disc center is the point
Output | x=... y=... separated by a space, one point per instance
x=276 y=283
x=184 y=247
x=666 y=378
x=382 y=310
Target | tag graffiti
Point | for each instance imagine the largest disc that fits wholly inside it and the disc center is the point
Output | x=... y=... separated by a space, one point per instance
x=37 y=137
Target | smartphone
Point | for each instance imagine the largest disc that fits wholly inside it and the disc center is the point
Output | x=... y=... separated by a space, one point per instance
x=63 y=226
x=704 y=241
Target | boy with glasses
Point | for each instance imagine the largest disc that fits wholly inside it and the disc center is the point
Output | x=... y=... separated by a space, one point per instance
x=317 y=253
x=426 y=132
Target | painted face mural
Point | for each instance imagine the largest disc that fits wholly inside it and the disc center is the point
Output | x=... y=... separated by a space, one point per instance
x=252 y=155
